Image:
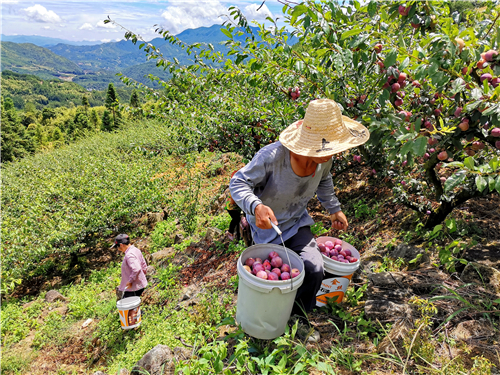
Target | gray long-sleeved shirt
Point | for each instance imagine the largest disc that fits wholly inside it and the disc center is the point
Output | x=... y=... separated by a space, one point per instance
x=269 y=179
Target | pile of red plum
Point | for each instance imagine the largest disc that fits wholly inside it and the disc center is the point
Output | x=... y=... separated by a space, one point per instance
x=334 y=250
x=272 y=268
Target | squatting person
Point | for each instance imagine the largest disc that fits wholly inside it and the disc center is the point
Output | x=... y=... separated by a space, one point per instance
x=282 y=178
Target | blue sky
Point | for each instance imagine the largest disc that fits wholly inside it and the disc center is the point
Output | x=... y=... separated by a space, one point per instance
x=78 y=20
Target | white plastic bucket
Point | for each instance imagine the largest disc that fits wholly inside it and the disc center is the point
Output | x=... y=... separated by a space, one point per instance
x=130 y=312
x=337 y=275
x=264 y=306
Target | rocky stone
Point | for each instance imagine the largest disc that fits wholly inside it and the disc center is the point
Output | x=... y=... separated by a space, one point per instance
x=178 y=238
x=386 y=279
x=471 y=329
x=213 y=234
x=124 y=371
x=99 y=373
x=54 y=295
x=154 y=217
x=180 y=260
x=483 y=275
x=386 y=311
x=182 y=354
x=191 y=249
x=188 y=292
x=150 y=271
x=387 y=286
x=487 y=254
x=160 y=257
x=158 y=361
x=410 y=252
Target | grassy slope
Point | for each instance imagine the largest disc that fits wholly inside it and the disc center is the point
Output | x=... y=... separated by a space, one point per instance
x=30 y=59
x=82 y=182
x=38 y=340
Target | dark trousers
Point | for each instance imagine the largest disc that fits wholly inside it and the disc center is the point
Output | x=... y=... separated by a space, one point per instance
x=235 y=221
x=304 y=244
x=136 y=293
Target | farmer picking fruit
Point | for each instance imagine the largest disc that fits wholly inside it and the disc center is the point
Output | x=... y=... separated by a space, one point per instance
x=282 y=178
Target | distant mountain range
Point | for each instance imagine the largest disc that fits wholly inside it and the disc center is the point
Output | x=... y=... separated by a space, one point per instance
x=43 y=41
x=94 y=66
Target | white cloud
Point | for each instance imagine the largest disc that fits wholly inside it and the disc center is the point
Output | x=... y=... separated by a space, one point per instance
x=103 y=25
x=193 y=14
x=251 y=12
x=47 y=27
x=39 y=13
x=105 y=40
x=86 y=26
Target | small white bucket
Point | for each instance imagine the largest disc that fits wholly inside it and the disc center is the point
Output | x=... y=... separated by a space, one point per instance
x=337 y=275
x=130 y=312
x=264 y=306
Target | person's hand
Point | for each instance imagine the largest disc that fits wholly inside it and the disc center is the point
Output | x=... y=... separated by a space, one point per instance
x=339 y=221
x=128 y=286
x=262 y=215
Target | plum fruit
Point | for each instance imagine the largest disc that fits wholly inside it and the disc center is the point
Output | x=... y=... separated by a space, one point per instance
x=294 y=273
x=267 y=265
x=272 y=276
x=272 y=255
x=276 y=262
x=257 y=267
x=249 y=262
x=285 y=276
x=262 y=275
x=285 y=268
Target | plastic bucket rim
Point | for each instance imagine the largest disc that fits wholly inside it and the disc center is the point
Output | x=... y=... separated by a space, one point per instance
x=123 y=304
x=328 y=238
x=269 y=285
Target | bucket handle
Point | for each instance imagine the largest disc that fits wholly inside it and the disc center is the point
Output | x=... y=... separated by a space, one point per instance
x=123 y=292
x=275 y=227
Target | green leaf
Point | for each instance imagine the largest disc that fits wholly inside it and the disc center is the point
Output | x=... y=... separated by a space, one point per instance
x=372 y=8
x=406 y=148
x=491 y=183
x=497 y=185
x=451 y=225
x=404 y=64
x=455 y=164
x=349 y=33
x=469 y=163
x=455 y=180
x=419 y=146
x=227 y=33
x=481 y=183
x=391 y=58
x=494 y=163
x=437 y=229
x=297 y=12
x=382 y=99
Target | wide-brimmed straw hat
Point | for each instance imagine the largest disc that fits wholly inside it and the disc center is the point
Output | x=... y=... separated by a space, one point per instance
x=324 y=131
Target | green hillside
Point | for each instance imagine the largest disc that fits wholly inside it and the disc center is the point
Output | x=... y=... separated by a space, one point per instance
x=26 y=88
x=30 y=59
